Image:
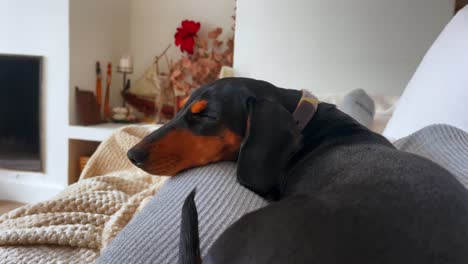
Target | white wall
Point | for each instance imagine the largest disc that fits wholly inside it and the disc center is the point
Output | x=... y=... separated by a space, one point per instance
x=336 y=45
x=32 y=27
x=153 y=24
x=99 y=31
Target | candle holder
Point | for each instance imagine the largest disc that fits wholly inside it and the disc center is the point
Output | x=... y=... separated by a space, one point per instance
x=124 y=71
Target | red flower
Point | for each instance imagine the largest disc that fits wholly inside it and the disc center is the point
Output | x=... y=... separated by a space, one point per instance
x=185 y=35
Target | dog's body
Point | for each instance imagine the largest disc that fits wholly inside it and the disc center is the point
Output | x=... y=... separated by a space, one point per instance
x=355 y=199
x=346 y=195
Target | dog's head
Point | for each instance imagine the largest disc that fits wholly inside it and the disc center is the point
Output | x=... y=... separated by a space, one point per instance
x=231 y=119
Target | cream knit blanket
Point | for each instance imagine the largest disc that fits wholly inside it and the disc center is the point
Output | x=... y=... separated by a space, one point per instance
x=75 y=225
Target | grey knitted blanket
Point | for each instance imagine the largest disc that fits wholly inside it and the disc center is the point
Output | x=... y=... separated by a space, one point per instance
x=443 y=144
x=153 y=235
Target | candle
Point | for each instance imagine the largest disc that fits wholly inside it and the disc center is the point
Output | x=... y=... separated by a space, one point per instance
x=125 y=62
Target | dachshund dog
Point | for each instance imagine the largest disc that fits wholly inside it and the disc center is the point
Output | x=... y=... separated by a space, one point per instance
x=343 y=194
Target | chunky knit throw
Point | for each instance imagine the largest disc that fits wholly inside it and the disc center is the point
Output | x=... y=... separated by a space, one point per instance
x=75 y=225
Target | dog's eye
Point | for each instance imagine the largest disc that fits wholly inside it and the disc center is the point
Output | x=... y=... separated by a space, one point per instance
x=205 y=115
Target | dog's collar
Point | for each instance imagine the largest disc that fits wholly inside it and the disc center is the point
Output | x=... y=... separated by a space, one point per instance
x=305 y=109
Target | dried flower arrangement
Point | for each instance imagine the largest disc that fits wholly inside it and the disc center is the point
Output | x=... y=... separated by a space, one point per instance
x=204 y=58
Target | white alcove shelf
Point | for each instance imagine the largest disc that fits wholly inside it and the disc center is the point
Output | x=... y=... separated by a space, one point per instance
x=98 y=31
x=107 y=29
x=93 y=133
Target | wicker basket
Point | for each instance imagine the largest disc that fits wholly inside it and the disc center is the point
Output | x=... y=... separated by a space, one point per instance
x=83 y=161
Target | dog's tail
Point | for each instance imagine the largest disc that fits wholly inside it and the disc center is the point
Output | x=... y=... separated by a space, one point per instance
x=189 y=243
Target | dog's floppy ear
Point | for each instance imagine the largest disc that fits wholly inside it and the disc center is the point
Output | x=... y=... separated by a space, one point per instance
x=271 y=139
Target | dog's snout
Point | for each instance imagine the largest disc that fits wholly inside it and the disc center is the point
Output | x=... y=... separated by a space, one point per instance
x=137 y=156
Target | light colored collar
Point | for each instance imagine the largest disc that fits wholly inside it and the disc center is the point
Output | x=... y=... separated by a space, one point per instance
x=305 y=109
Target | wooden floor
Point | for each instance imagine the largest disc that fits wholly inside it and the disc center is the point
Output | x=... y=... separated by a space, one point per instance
x=6 y=206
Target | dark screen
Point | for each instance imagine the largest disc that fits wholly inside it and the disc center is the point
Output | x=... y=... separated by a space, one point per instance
x=20 y=83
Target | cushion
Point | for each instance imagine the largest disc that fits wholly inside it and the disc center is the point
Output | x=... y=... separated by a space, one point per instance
x=360 y=106
x=438 y=91
x=153 y=235
x=384 y=105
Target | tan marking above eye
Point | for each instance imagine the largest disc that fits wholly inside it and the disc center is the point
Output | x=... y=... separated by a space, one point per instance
x=198 y=106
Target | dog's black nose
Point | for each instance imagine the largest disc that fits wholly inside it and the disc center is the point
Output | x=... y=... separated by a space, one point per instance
x=137 y=156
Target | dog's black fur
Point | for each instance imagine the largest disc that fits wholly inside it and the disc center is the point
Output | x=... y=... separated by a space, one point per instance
x=346 y=195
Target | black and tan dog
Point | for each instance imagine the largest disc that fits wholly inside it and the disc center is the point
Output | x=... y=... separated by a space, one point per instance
x=346 y=195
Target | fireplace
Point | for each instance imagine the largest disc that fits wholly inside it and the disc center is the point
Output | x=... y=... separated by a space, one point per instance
x=20 y=118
